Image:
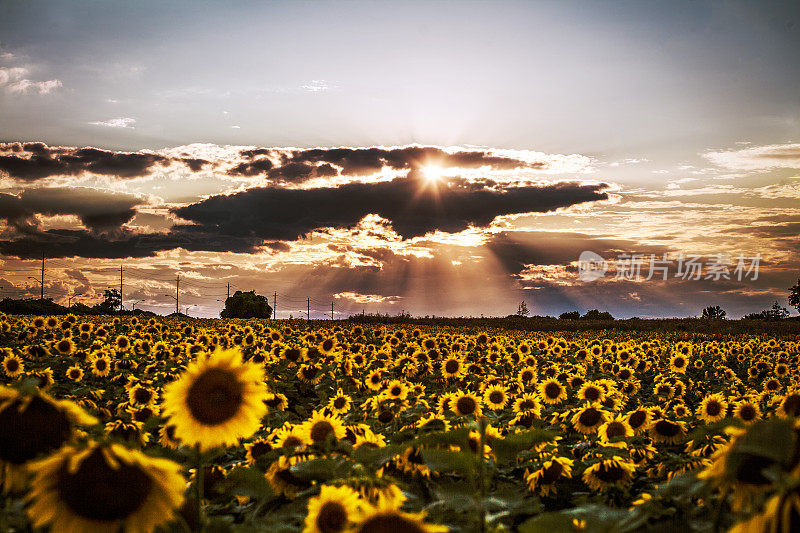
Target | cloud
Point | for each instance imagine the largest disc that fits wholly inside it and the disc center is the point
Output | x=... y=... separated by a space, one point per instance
x=758 y=157
x=12 y=80
x=316 y=86
x=125 y=122
x=367 y=298
x=97 y=209
x=32 y=161
x=414 y=208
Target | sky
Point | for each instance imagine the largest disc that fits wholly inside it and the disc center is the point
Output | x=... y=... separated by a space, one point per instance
x=437 y=158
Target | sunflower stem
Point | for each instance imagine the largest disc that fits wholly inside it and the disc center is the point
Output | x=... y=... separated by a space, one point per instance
x=482 y=473
x=198 y=487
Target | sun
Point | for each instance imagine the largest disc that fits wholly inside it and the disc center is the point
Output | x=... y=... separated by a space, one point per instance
x=433 y=173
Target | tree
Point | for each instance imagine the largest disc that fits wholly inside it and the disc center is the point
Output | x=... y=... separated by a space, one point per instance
x=570 y=315
x=714 y=312
x=522 y=310
x=112 y=301
x=776 y=312
x=594 y=314
x=246 y=305
x=794 y=296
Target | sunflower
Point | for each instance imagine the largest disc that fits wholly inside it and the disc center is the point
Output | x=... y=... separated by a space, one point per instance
x=526 y=375
x=75 y=373
x=614 y=472
x=101 y=366
x=396 y=390
x=65 y=346
x=678 y=363
x=141 y=395
x=667 y=431
x=340 y=403
x=713 y=408
x=495 y=397
x=374 y=380
x=453 y=368
x=612 y=431
x=542 y=481
x=591 y=393
x=12 y=366
x=527 y=404
x=317 y=428
x=552 y=392
x=290 y=437
x=104 y=488
x=327 y=345
x=217 y=400
x=589 y=418
x=466 y=404
x=747 y=411
x=44 y=378
x=333 y=511
x=257 y=448
x=32 y=426
x=790 y=405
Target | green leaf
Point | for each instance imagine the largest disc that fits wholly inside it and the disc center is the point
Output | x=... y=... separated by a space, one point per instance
x=507 y=449
x=444 y=461
x=251 y=482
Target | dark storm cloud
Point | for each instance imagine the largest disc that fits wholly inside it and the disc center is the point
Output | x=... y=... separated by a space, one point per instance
x=97 y=209
x=285 y=214
x=300 y=165
x=78 y=243
x=32 y=161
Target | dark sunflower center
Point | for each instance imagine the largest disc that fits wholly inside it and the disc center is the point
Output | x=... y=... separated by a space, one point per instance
x=259 y=448
x=610 y=473
x=679 y=362
x=144 y=414
x=142 y=395
x=214 y=397
x=340 y=402
x=389 y=522
x=747 y=412
x=12 y=365
x=63 y=346
x=667 y=428
x=291 y=442
x=590 y=417
x=320 y=430
x=637 y=419
x=327 y=345
x=552 y=390
x=39 y=429
x=310 y=372
x=496 y=396
x=526 y=405
x=615 y=429
x=750 y=468
x=451 y=366
x=713 y=408
x=551 y=473
x=100 y=365
x=385 y=416
x=527 y=375
x=792 y=404
x=592 y=394
x=466 y=405
x=332 y=517
x=396 y=391
x=98 y=492
x=292 y=354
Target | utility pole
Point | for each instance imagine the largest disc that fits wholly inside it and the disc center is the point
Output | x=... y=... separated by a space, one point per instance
x=121 y=307
x=331 y=310
x=308 y=308
x=275 y=306
x=41 y=294
x=177 y=294
x=229 y=289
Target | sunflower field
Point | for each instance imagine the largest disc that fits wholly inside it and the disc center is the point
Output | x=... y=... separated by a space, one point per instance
x=160 y=424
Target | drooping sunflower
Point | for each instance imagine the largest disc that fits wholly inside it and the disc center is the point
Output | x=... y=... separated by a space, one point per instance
x=612 y=431
x=13 y=366
x=32 y=426
x=495 y=397
x=542 y=481
x=310 y=373
x=385 y=518
x=333 y=510
x=614 y=472
x=790 y=405
x=217 y=400
x=589 y=418
x=667 y=431
x=167 y=438
x=317 y=428
x=552 y=392
x=712 y=408
x=104 y=488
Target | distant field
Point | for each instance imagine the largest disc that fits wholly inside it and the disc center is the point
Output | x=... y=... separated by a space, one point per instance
x=467 y=424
